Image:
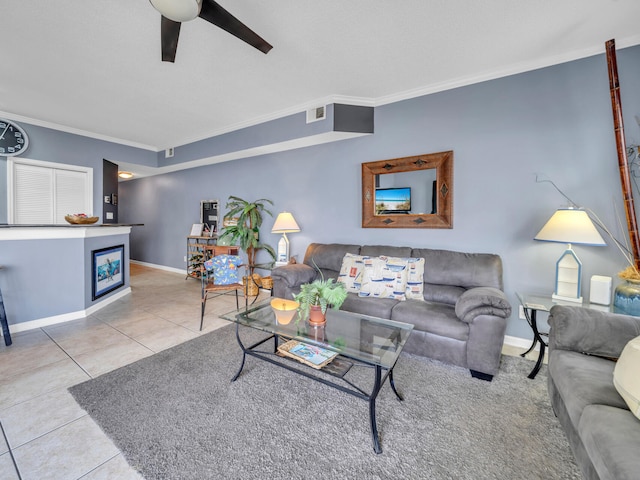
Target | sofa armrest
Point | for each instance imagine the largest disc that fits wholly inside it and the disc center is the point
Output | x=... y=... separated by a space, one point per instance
x=591 y=331
x=288 y=278
x=482 y=301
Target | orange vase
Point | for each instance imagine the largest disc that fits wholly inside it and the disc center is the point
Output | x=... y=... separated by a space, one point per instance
x=316 y=317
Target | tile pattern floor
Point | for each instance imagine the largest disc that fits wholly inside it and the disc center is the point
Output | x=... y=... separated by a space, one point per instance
x=44 y=434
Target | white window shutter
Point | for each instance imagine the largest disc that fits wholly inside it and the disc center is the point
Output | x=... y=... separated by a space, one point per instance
x=44 y=192
x=33 y=193
x=70 y=194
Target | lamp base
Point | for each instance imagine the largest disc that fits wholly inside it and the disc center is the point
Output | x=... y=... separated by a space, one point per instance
x=566 y=299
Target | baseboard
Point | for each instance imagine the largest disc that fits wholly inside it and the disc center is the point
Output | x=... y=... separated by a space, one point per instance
x=67 y=317
x=160 y=267
x=518 y=342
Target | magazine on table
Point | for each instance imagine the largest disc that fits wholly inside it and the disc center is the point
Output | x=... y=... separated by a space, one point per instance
x=311 y=355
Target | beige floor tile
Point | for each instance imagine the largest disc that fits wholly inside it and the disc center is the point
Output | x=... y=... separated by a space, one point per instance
x=23 y=387
x=7 y=469
x=210 y=323
x=85 y=335
x=111 y=357
x=66 y=453
x=4 y=448
x=26 y=339
x=134 y=327
x=39 y=416
x=116 y=317
x=163 y=338
x=21 y=358
x=116 y=468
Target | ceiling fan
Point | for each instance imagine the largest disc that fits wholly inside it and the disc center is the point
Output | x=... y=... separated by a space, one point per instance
x=174 y=12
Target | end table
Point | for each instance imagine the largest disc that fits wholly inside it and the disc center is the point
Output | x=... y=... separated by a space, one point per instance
x=534 y=303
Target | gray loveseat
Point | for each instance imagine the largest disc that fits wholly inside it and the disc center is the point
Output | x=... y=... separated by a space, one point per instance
x=462 y=319
x=603 y=434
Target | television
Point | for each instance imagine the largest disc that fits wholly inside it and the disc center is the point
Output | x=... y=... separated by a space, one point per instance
x=393 y=200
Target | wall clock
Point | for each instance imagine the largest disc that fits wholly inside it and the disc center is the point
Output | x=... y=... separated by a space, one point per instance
x=13 y=139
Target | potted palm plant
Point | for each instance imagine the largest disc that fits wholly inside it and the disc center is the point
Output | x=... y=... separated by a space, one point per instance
x=245 y=219
x=317 y=296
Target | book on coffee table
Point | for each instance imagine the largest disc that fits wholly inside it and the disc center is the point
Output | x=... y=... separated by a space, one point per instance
x=312 y=355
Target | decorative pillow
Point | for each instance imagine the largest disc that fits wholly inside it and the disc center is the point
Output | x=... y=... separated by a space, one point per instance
x=225 y=269
x=351 y=272
x=384 y=277
x=626 y=375
x=415 y=278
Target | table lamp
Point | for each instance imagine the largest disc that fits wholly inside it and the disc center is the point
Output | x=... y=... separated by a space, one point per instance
x=285 y=223
x=570 y=226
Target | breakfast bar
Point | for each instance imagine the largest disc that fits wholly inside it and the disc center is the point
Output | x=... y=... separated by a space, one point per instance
x=50 y=274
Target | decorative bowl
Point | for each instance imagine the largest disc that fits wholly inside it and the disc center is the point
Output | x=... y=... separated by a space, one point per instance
x=77 y=220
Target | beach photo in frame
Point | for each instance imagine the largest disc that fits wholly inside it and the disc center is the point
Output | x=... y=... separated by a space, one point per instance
x=107 y=270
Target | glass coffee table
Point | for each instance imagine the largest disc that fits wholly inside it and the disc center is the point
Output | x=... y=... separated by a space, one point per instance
x=359 y=342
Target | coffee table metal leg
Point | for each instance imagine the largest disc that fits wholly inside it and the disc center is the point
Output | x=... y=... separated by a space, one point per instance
x=244 y=353
x=393 y=386
x=372 y=411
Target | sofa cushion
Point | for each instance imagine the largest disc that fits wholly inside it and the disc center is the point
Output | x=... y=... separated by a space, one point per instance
x=384 y=277
x=415 y=278
x=328 y=256
x=611 y=437
x=380 y=308
x=351 y=272
x=467 y=270
x=436 y=318
x=442 y=293
x=583 y=380
x=388 y=250
x=626 y=376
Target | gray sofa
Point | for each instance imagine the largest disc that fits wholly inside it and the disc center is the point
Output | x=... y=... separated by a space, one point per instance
x=462 y=319
x=603 y=434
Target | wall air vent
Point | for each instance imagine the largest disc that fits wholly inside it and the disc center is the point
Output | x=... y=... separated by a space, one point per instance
x=317 y=113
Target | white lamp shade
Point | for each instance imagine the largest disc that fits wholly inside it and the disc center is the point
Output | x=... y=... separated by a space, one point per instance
x=178 y=10
x=285 y=223
x=570 y=225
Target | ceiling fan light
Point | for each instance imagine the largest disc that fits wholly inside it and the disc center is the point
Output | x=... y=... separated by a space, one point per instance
x=178 y=10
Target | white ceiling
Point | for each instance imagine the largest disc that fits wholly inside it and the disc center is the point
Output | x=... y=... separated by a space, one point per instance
x=94 y=67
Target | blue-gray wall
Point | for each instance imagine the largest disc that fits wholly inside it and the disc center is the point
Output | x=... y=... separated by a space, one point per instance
x=54 y=146
x=554 y=122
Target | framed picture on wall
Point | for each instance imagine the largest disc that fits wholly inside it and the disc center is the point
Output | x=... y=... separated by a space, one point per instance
x=107 y=270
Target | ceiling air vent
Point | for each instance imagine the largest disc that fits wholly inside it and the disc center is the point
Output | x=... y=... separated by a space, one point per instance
x=317 y=113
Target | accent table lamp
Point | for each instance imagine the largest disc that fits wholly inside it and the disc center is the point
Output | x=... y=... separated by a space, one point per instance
x=570 y=225
x=285 y=223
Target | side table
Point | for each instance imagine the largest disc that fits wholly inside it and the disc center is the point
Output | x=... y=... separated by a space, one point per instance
x=534 y=303
x=531 y=304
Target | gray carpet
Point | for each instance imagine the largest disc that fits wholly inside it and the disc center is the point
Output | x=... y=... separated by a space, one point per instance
x=175 y=415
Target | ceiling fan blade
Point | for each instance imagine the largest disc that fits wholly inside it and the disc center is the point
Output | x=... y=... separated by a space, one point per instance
x=170 y=31
x=214 y=13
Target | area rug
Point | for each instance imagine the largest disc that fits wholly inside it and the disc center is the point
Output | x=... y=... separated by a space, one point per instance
x=177 y=415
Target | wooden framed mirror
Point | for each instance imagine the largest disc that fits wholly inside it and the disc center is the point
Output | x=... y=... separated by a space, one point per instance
x=409 y=192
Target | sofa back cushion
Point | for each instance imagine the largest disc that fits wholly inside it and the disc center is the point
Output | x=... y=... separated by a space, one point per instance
x=328 y=257
x=458 y=269
x=385 y=250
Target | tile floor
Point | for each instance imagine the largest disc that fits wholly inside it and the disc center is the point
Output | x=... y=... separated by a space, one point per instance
x=44 y=434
